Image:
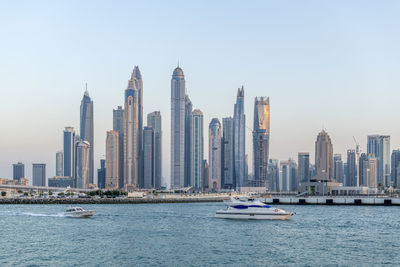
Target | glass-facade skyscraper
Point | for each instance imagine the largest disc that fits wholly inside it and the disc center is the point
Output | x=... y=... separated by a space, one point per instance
x=148 y=158
x=69 y=149
x=132 y=132
x=379 y=146
x=154 y=121
x=18 y=171
x=39 y=174
x=228 y=181
x=118 y=126
x=304 y=167
x=196 y=150
x=87 y=130
x=239 y=125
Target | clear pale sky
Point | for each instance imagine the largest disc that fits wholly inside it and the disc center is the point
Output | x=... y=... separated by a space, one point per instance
x=331 y=64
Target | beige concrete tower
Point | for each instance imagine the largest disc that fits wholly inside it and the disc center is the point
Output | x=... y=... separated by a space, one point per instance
x=323 y=157
x=112 y=160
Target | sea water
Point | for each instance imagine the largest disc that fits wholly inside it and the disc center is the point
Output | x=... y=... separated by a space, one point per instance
x=188 y=235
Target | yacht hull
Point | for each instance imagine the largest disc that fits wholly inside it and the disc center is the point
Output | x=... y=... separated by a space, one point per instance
x=80 y=214
x=229 y=214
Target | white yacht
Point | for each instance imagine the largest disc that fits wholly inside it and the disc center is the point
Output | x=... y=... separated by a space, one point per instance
x=256 y=210
x=78 y=212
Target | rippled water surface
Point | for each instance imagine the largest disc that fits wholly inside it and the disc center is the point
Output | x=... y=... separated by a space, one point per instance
x=189 y=235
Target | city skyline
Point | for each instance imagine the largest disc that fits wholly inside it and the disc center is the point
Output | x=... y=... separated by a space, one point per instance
x=309 y=88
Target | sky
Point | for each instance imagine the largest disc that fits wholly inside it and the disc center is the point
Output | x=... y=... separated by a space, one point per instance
x=330 y=65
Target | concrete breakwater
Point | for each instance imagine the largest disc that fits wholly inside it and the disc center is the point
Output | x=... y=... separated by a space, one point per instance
x=373 y=201
x=73 y=201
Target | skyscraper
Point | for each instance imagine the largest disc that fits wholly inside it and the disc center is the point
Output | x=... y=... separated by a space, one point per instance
x=227 y=154
x=395 y=166
x=101 y=174
x=18 y=171
x=239 y=124
x=178 y=93
x=323 y=157
x=379 y=146
x=137 y=78
x=214 y=159
x=38 y=174
x=304 y=167
x=118 y=126
x=131 y=131
x=59 y=163
x=338 y=172
x=372 y=171
x=69 y=149
x=293 y=179
x=196 y=150
x=188 y=136
x=112 y=160
x=261 y=132
x=273 y=173
x=86 y=134
x=284 y=176
x=154 y=121
x=363 y=167
x=148 y=158
x=82 y=164
x=351 y=177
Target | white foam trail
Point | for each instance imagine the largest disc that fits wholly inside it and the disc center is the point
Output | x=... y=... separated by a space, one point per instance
x=16 y=213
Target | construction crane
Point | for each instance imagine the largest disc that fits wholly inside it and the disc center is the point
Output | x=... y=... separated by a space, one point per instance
x=358 y=152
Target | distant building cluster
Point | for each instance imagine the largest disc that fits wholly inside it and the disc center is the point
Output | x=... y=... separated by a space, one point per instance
x=134 y=154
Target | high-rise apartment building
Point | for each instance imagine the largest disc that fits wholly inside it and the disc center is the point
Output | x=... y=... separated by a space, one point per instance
x=293 y=178
x=395 y=166
x=188 y=136
x=82 y=179
x=87 y=129
x=215 y=153
x=39 y=174
x=304 y=167
x=228 y=181
x=154 y=121
x=379 y=146
x=239 y=136
x=323 y=157
x=101 y=174
x=178 y=94
x=197 y=150
x=18 y=171
x=351 y=177
x=273 y=173
x=284 y=175
x=112 y=160
x=148 y=158
x=132 y=133
x=261 y=132
x=69 y=151
x=59 y=163
x=338 y=172
x=118 y=126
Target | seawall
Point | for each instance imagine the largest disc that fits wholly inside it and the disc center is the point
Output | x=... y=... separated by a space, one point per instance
x=73 y=201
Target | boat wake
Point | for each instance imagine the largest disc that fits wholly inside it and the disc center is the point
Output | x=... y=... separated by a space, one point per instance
x=17 y=213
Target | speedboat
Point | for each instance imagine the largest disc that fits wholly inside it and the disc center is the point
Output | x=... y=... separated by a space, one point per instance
x=252 y=209
x=78 y=212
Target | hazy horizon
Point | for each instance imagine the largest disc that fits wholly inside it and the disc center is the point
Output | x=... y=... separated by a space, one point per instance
x=330 y=65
